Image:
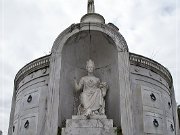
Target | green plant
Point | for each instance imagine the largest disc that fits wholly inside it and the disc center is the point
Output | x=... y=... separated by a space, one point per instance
x=118 y=131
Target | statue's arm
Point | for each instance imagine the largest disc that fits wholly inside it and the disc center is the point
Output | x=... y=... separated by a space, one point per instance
x=78 y=86
x=104 y=88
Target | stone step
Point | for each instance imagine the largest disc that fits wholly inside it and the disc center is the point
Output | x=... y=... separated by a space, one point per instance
x=94 y=125
x=91 y=117
x=89 y=131
x=83 y=123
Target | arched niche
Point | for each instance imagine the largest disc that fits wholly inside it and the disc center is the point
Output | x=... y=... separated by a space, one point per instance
x=76 y=51
x=58 y=106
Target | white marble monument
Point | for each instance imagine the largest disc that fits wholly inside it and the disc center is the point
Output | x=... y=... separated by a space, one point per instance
x=57 y=95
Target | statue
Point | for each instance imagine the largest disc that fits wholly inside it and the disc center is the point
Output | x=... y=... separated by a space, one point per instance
x=93 y=93
x=90 y=8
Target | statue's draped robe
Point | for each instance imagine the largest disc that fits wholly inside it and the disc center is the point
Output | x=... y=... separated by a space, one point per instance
x=91 y=98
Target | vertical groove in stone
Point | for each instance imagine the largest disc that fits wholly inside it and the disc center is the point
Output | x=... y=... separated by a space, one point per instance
x=126 y=98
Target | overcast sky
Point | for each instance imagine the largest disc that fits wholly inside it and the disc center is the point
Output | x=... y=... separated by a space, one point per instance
x=29 y=28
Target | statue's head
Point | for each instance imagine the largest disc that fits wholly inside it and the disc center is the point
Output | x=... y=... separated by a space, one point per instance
x=90 y=66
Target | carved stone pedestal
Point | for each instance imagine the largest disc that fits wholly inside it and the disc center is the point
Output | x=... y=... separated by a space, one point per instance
x=96 y=125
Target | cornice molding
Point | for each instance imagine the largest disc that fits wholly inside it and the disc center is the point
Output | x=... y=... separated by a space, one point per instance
x=141 y=61
x=31 y=67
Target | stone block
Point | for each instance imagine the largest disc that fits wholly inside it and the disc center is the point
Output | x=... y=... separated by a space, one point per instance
x=91 y=117
x=102 y=123
x=89 y=131
x=96 y=125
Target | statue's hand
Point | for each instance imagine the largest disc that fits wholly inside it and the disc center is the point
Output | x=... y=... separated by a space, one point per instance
x=77 y=85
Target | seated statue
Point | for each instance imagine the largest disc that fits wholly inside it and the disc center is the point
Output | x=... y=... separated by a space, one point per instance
x=93 y=93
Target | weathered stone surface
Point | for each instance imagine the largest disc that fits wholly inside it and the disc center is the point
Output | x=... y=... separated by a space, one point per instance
x=89 y=131
x=140 y=91
x=92 y=117
x=103 y=123
x=93 y=126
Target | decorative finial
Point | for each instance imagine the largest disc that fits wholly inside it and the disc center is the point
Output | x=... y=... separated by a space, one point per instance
x=91 y=16
x=91 y=7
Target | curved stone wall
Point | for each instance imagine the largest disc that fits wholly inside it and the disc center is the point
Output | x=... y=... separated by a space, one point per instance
x=150 y=82
x=151 y=85
x=31 y=85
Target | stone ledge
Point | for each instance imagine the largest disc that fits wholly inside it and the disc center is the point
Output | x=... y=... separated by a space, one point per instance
x=89 y=131
x=91 y=117
x=90 y=123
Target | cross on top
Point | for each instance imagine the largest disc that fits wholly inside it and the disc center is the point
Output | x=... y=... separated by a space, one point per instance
x=90 y=7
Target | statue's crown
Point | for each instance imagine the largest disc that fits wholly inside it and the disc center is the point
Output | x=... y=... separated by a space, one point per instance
x=90 y=62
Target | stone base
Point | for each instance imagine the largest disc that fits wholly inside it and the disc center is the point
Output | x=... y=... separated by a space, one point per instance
x=96 y=125
x=91 y=117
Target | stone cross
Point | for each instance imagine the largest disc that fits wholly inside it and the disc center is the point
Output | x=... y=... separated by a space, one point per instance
x=91 y=7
